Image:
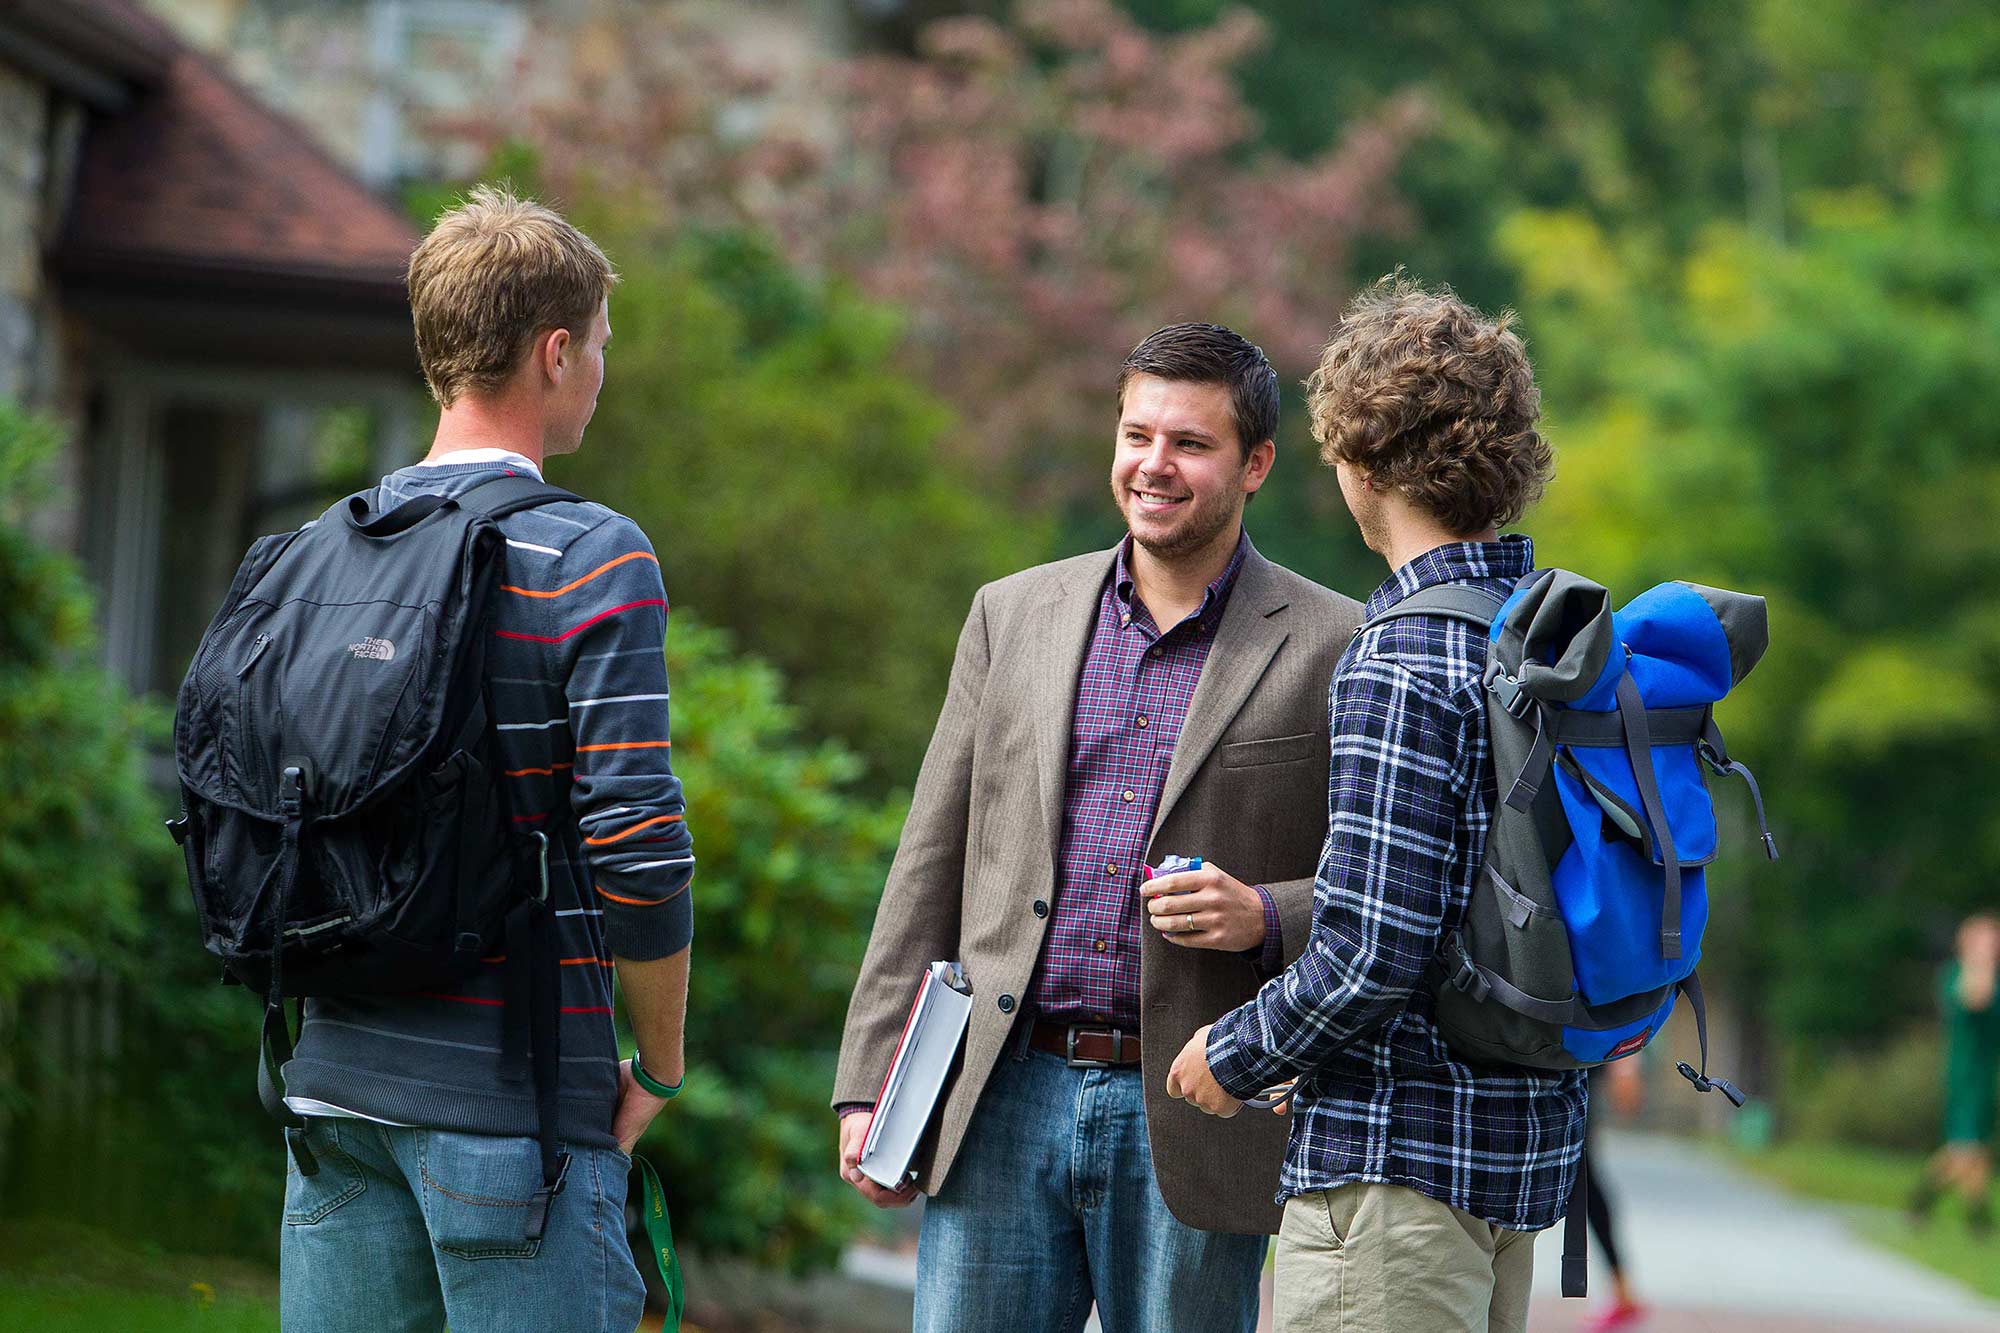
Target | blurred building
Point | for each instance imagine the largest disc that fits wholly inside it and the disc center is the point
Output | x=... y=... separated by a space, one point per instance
x=398 y=90
x=210 y=302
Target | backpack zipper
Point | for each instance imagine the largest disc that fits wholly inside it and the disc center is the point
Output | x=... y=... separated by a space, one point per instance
x=257 y=647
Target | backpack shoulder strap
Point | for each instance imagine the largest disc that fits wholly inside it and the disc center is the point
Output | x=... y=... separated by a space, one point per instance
x=1453 y=601
x=510 y=494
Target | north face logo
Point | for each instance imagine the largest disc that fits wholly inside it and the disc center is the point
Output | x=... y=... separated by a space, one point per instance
x=374 y=650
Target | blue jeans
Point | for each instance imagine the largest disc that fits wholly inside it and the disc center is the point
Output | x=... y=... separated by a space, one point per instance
x=404 y=1229
x=1052 y=1204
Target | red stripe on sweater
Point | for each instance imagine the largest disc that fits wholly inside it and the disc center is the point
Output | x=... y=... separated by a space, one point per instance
x=558 y=638
x=474 y=999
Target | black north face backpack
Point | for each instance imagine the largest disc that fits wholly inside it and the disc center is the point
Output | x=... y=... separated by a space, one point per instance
x=343 y=818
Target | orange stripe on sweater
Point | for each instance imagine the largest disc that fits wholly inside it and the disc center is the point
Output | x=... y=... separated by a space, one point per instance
x=524 y=772
x=626 y=833
x=572 y=587
x=646 y=902
x=583 y=962
x=626 y=745
x=629 y=902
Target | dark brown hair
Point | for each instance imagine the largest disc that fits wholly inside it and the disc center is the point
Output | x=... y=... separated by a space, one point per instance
x=1211 y=354
x=1434 y=400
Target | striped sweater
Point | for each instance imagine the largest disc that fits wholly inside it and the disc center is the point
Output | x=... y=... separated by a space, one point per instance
x=579 y=689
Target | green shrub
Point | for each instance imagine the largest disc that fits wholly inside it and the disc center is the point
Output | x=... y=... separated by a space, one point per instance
x=1890 y=1097
x=76 y=818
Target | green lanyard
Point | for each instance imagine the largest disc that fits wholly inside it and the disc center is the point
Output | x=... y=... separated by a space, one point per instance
x=660 y=1231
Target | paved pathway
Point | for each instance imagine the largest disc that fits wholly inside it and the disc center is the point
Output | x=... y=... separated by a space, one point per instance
x=1712 y=1250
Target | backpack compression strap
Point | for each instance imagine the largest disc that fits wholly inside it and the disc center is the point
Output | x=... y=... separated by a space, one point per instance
x=532 y=1027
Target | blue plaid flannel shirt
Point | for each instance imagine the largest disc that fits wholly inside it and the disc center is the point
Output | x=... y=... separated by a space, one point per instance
x=1409 y=799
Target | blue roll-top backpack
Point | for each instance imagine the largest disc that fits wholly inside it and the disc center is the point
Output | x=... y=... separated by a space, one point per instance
x=1585 y=924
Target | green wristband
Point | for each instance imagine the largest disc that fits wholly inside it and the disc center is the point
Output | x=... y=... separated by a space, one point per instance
x=664 y=1091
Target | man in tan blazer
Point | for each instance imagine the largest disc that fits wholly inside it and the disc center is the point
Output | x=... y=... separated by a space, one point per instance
x=1166 y=697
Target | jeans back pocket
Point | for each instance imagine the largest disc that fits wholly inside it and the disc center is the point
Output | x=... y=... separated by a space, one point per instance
x=310 y=1198
x=476 y=1192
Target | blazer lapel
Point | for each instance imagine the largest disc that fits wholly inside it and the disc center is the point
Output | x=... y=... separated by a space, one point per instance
x=1251 y=632
x=1059 y=642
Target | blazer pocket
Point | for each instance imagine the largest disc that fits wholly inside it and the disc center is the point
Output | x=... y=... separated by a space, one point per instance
x=1276 y=750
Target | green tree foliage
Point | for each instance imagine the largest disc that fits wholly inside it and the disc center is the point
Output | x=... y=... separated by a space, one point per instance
x=791 y=862
x=1654 y=114
x=1809 y=421
x=801 y=490
x=76 y=812
x=1750 y=240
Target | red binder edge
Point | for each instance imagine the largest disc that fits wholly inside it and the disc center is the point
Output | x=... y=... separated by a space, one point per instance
x=909 y=1021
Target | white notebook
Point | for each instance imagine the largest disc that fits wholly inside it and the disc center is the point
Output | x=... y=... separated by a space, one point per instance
x=923 y=1061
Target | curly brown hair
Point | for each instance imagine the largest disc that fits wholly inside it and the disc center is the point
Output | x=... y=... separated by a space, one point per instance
x=1433 y=400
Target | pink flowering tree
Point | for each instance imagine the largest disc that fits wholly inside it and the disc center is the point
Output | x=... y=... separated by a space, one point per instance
x=1034 y=195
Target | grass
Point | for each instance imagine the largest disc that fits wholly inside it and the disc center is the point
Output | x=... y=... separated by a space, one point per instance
x=59 y=1277
x=1876 y=1182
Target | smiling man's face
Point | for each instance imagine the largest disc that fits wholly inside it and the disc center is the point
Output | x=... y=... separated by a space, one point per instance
x=1179 y=474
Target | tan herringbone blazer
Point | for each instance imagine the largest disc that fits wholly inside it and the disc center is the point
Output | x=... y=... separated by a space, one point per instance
x=1246 y=790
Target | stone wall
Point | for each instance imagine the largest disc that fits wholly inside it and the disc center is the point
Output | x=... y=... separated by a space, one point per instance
x=23 y=172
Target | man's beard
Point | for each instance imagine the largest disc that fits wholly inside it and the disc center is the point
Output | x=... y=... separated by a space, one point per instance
x=1194 y=533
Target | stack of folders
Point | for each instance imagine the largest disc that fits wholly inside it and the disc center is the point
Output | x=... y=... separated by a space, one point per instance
x=923 y=1061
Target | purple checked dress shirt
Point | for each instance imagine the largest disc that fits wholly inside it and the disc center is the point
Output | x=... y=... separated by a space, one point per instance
x=1131 y=699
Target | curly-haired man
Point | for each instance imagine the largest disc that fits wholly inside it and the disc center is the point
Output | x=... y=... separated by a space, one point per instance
x=1414 y=1182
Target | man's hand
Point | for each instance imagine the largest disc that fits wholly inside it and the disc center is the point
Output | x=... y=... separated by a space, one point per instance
x=1205 y=909
x=1191 y=1081
x=854 y=1133
x=636 y=1108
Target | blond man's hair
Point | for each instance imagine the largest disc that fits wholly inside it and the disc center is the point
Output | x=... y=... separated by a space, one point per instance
x=495 y=274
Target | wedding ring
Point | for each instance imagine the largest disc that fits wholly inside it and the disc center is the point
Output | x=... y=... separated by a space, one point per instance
x=1187 y=921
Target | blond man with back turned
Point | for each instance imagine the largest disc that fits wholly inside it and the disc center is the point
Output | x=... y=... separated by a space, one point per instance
x=427 y=1151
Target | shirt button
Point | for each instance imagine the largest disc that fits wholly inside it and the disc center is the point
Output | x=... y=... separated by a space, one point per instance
x=1156 y=650
x=1041 y=908
x=1125 y=619
x=1110 y=867
x=1142 y=721
x=1098 y=945
x=1130 y=795
x=1006 y=1003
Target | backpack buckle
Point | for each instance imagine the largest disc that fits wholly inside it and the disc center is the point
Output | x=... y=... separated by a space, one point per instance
x=295 y=1139
x=1516 y=702
x=539 y=1201
x=1465 y=974
x=1703 y=1083
x=291 y=791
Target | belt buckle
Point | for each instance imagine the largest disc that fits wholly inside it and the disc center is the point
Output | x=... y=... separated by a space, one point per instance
x=1075 y=1061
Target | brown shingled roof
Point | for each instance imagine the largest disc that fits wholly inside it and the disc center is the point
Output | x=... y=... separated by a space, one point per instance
x=196 y=183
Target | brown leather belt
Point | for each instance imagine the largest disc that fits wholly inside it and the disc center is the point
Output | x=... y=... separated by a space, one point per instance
x=1086 y=1046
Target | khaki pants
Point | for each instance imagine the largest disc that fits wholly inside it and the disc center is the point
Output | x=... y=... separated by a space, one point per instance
x=1368 y=1258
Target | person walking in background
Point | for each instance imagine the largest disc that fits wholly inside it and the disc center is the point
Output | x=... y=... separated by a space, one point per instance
x=1163 y=697
x=1621 y=1087
x=1971 y=1077
x=1415 y=1181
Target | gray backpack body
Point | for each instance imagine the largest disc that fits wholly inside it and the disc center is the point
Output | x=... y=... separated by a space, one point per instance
x=1585 y=923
